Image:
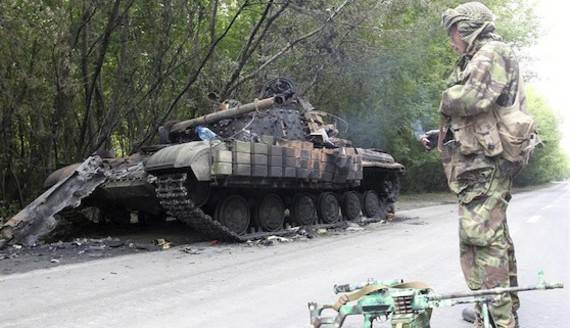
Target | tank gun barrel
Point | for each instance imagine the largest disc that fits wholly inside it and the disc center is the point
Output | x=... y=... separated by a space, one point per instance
x=226 y=114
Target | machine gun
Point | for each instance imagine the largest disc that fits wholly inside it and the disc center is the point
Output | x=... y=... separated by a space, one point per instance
x=405 y=304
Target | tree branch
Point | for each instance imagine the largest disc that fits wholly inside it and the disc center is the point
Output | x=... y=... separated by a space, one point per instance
x=85 y=19
x=111 y=24
x=290 y=46
x=243 y=55
x=151 y=133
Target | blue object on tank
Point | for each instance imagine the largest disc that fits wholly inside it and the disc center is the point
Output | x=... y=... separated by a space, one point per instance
x=205 y=134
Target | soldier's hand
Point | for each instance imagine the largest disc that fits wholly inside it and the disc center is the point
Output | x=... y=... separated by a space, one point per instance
x=426 y=143
x=429 y=139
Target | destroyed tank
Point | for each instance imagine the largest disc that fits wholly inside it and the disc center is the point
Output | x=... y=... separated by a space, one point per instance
x=247 y=171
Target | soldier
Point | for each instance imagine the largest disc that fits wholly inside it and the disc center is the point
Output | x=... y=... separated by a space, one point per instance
x=485 y=79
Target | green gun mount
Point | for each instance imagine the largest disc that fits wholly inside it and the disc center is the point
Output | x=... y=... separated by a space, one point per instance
x=405 y=304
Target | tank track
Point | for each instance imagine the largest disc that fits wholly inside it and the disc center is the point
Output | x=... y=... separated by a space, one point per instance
x=174 y=197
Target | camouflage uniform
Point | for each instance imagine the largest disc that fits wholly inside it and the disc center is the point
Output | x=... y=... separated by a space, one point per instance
x=485 y=76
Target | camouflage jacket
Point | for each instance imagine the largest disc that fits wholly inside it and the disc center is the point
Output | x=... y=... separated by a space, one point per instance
x=483 y=79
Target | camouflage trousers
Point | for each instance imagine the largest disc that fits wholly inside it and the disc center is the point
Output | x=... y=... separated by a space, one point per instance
x=486 y=248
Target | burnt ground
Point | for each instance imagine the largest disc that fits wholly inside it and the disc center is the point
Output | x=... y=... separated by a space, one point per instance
x=92 y=241
x=86 y=241
x=89 y=241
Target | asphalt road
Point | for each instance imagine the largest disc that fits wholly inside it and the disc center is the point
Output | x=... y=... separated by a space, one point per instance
x=240 y=286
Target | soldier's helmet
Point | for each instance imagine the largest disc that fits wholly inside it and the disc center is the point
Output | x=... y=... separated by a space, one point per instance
x=474 y=12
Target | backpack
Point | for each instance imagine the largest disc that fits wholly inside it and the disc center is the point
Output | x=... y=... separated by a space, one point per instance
x=517 y=131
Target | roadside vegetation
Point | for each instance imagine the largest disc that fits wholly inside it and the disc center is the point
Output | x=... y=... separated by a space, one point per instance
x=550 y=162
x=84 y=76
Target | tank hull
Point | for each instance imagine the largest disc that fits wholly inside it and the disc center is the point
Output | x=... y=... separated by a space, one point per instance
x=247 y=172
x=192 y=182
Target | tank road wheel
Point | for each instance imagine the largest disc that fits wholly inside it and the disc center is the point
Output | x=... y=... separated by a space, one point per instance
x=351 y=205
x=392 y=187
x=329 y=208
x=199 y=192
x=233 y=212
x=304 y=211
x=270 y=213
x=372 y=206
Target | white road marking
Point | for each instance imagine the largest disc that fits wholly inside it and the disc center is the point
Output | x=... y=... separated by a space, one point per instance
x=534 y=219
x=547 y=207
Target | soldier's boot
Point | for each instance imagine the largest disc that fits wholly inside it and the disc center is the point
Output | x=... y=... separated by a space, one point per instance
x=516 y=316
x=468 y=314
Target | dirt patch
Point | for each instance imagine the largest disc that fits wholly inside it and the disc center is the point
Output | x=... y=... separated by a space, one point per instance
x=412 y=201
x=21 y=259
x=98 y=242
x=87 y=242
x=517 y=190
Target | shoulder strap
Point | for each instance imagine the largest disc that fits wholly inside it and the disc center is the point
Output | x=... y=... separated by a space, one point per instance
x=516 y=105
x=345 y=298
x=519 y=85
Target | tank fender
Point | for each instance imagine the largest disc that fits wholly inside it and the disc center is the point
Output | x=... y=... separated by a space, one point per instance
x=374 y=158
x=194 y=154
x=60 y=174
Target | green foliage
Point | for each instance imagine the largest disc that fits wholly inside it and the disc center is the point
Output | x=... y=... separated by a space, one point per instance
x=7 y=211
x=549 y=162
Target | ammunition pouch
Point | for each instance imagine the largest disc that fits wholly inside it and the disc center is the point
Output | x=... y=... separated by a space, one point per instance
x=477 y=134
x=505 y=131
x=464 y=135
